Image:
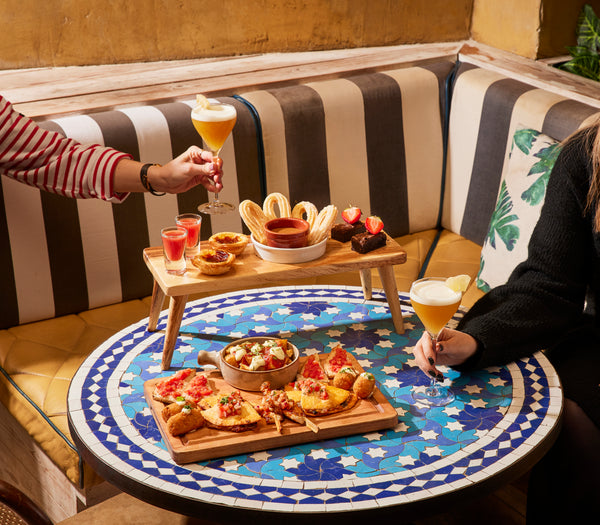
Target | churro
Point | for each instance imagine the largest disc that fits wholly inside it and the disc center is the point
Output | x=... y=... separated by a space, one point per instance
x=254 y=218
x=282 y=203
x=306 y=208
x=323 y=224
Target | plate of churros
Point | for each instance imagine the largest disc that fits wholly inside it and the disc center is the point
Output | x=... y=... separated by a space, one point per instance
x=277 y=205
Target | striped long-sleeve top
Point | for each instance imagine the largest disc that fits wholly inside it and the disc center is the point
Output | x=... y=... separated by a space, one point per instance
x=51 y=162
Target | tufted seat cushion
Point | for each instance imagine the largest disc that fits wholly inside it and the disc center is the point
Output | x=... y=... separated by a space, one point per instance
x=38 y=361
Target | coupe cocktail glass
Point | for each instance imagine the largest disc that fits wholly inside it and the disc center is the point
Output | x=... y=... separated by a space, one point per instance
x=434 y=303
x=214 y=121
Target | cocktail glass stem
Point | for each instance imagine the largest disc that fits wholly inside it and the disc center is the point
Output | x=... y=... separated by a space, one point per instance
x=215 y=207
x=435 y=394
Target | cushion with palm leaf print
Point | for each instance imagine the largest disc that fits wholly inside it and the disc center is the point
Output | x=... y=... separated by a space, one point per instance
x=520 y=199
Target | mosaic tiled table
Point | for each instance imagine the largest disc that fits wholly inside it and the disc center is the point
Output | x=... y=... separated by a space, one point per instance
x=502 y=421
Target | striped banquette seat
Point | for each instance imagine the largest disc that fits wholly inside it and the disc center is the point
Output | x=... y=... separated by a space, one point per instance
x=377 y=141
x=487 y=107
x=424 y=147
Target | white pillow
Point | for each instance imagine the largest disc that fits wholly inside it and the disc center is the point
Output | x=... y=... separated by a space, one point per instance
x=520 y=199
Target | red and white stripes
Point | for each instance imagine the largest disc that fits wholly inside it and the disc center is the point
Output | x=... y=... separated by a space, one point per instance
x=47 y=160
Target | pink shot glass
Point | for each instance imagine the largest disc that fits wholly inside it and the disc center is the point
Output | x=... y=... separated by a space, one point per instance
x=174 y=241
x=192 y=223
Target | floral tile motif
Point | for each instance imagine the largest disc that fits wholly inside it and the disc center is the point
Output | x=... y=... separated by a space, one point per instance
x=484 y=430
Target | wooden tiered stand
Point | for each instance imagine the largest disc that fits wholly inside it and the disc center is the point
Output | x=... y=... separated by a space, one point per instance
x=250 y=270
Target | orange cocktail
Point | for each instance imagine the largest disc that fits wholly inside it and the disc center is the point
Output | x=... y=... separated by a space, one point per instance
x=214 y=122
x=435 y=304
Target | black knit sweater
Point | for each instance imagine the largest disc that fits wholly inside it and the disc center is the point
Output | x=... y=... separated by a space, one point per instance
x=549 y=300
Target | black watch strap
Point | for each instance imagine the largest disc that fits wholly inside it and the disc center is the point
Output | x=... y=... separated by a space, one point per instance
x=145 y=182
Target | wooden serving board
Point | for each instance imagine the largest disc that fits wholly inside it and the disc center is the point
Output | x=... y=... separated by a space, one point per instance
x=368 y=415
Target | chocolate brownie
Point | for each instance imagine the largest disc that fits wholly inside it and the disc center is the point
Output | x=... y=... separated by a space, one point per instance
x=343 y=231
x=367 y=242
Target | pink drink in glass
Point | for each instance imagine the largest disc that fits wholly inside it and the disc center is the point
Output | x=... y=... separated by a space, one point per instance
x=174 y=243
x=192 y=223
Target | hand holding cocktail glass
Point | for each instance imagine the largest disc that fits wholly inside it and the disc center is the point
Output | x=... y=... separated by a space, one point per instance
x=435 y=300
x=214 y=121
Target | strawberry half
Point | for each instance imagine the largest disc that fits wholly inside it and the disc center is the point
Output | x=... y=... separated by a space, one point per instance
x=374 y=225
x=351 y=214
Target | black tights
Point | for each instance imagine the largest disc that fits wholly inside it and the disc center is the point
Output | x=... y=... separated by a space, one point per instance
x=564 y=487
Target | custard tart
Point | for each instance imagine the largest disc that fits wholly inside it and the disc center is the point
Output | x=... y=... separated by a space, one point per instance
x=213 y=262
x=229 y=241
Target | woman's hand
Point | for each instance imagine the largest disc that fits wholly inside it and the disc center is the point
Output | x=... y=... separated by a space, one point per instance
x=194 y=166
x=453 y=348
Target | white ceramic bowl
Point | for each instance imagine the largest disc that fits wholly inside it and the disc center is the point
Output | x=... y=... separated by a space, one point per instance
x=289 y=255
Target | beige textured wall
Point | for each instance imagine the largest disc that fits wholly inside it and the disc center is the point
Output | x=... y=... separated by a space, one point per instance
x=530 y=28
x=39 y=33
x=79 y=32
x=512 y=25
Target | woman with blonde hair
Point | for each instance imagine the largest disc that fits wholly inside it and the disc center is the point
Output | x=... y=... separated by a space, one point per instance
x=552 y=302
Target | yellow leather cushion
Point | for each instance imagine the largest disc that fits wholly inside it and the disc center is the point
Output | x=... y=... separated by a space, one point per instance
x=455 y=255
x=41 y=358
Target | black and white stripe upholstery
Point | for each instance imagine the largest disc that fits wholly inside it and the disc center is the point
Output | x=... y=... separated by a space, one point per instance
x=486 y=109
x=60 y=256
x=371 y=140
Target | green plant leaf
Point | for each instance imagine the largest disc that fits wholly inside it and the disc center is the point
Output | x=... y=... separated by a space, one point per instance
x=523 y=139
x=578 y=51
x=536 y=192
x=588 y=30
x=543 y=167
x=481 y=283
x=585 y=60
x=587 y=66
x=501 y=223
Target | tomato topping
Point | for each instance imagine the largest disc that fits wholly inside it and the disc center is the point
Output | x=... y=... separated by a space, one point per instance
x=230 y=405
x=198 y=388
x=228 y=239
x=173 y=384
x=269 y=355
x=310 y=386
x=215 y=256
x=339 y=360
x=313 y=369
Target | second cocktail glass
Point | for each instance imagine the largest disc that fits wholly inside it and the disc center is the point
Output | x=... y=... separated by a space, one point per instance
x=214 y=121
x=434 y=303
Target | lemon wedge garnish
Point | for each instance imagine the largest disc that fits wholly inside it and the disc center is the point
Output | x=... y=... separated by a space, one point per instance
x=458 y=283
x=202 y=102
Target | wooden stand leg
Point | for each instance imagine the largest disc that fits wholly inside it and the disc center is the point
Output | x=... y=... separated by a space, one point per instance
x=176 y=308
x=365 y=281
x=386 y=273
x=158 y=297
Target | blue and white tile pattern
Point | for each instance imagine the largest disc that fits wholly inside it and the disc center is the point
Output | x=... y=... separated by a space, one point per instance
x=499 y=414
